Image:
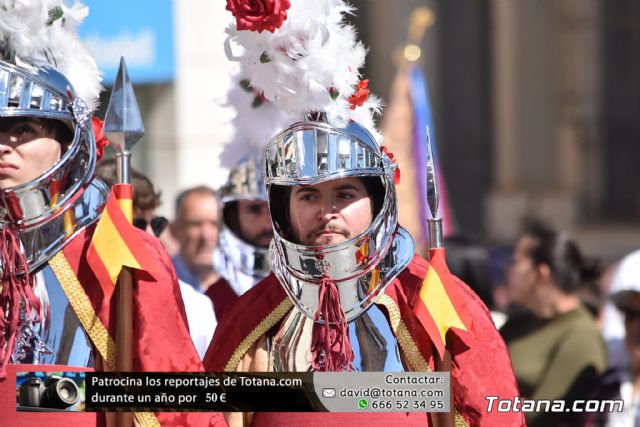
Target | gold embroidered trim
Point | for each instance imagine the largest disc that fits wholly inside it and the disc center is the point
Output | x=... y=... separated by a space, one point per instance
x=409 y=347
x=266 y=324
x=460 y=421
x=91 y=322
x=83 y=308
x=148 y=419
x=407 y=344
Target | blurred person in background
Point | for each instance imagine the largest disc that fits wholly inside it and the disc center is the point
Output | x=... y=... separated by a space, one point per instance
x=201 y=319
x=621 y=331
x=195 y=226
x=242 y=256
x=623 y=380
x=555 y=346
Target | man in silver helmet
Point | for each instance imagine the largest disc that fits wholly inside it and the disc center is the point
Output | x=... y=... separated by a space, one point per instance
x=55 y=314
x=345 y=280
x=241 y=257
x=338 y=249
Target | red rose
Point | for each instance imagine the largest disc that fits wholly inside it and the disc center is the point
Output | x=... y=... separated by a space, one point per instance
x=259 y=15
x=101 y=141
x=361 y=94
x=396 y=172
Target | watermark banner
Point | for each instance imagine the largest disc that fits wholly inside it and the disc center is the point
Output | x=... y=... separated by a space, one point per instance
x=269 y=392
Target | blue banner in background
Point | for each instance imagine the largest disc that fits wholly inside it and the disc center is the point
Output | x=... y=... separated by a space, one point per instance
x=142 y=31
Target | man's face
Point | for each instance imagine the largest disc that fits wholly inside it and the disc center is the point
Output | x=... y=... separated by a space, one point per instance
x=255 y=222
x=197 y=229
x=330 y=212
x=28 y=148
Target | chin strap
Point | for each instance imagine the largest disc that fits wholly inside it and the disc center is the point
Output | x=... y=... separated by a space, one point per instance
x=16 y=287
x=330 y=348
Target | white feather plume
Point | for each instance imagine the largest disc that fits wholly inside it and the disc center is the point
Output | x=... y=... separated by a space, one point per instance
x=254 y=124
x=312 y=56
x=31 y=37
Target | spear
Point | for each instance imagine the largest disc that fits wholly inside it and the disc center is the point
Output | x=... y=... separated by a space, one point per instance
x=443 y=419
x=433 y=199
x=123 y=128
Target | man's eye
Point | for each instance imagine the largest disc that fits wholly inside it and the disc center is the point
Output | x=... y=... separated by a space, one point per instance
x=345 y=195
x=307 y=197
x=23 y=129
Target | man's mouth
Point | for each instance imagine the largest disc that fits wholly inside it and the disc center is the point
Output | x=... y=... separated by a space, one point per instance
x=328 y=232
x=7 y=170
x=6 y=165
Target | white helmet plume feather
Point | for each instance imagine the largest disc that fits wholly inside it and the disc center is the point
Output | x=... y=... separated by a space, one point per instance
x=34 y=33
x=255 y=122
x=310 y=64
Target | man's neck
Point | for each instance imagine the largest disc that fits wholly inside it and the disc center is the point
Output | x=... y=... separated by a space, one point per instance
x=199 y=277
x=206 y=277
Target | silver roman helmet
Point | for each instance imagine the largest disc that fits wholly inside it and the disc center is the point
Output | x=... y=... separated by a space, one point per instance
x=238 y=261
x=312 y=152
x=47 y=211
x=243 y=264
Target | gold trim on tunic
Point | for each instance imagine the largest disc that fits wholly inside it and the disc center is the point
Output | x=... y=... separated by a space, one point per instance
x=92 y=324
x=267 y=323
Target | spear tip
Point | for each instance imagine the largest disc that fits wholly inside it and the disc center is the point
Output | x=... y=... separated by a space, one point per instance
x=122 y=123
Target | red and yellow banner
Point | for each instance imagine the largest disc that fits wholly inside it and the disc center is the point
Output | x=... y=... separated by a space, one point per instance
x=440 y=306
x=115 y=244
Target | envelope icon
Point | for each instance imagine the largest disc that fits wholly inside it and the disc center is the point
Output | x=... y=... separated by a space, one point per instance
x=328 y=392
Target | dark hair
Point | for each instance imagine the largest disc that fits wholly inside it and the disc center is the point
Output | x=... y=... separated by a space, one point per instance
x=144 y=195
x=61 y=132
x=202 y=190
x=280 y=195
x=230 y=216
x=570 y=269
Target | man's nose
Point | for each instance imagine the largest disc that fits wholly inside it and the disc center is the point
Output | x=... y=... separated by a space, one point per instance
x=209 y=231
x=5 y=143
x=328 y=209
x=265 y=218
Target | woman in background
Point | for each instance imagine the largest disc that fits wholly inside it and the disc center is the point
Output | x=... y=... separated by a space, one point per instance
x=555 y=347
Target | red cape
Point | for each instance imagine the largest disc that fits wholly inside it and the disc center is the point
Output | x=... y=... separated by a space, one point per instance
x=480 y=363
x=222 y=297
x=159 y=328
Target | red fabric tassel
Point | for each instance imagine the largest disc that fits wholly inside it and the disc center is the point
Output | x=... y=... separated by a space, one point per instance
x=330 y=348
x=17 y=286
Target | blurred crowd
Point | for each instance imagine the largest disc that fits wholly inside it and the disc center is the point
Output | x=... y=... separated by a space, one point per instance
x=571 y=323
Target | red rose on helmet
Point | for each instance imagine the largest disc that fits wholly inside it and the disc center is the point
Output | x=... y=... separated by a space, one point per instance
x=361 y=94
x=101 y=141
x=259 y=15
x=396 y=171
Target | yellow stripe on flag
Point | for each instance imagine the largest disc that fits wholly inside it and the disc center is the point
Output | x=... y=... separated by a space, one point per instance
x=127 y=208
x=110 y=247
x=440 y=306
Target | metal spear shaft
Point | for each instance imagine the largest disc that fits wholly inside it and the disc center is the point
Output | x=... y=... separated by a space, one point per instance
x=123 y=127
x=443 y=419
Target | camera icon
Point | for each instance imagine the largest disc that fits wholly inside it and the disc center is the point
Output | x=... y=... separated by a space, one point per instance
x=54 y=393
x=329 y=392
